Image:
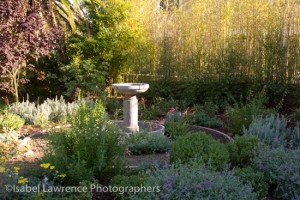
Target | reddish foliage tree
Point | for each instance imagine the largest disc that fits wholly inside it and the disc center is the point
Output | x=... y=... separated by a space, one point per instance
x=25 y=33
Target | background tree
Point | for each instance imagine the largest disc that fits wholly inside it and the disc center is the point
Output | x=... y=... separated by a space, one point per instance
x=25 y=34
x=97 y=56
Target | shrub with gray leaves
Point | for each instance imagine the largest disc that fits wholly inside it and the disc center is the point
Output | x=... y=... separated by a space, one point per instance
x=281 y=168
x=273 y=130
x=184 y=182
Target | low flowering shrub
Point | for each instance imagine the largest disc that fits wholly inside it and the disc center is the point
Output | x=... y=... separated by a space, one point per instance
x=185 y=182
x=201 y=148
x=281 y=168
x=14 y=185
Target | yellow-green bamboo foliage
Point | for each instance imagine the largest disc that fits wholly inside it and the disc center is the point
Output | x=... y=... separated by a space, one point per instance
x=216 y=38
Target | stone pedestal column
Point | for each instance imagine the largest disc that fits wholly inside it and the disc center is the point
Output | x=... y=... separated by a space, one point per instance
x=130 y=108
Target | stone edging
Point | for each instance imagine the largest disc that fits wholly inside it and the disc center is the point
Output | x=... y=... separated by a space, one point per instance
x=210 y=131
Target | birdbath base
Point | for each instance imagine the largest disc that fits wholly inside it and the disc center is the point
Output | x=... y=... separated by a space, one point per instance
x=130 y=108
x=130 y=103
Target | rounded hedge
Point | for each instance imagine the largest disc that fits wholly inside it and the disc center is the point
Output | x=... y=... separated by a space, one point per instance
x=200 y=148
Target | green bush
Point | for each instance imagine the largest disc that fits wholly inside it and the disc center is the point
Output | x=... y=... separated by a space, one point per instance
x=184 y=182
x=165 y=105
x=242 y=149
x=297 y=114
x=129 y=181
x=209 y=108
x=92 y=147
x=113 y=104
x=147 y=143
x=202 y=119
x=242 y=115
x=10 y=122
x=176 y=129
x=200 y=148
x=249 y=176
x=149 y=113
x=273 y=131
x=281 y=168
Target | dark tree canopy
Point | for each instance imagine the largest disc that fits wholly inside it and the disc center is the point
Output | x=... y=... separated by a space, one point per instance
x=25 y=33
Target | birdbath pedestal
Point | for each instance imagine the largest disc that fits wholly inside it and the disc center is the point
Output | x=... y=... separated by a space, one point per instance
x=130 y=103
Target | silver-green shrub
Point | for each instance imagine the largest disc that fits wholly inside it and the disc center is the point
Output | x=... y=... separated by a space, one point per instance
x=273 y=130
x=25 y=109
x=60 y=110
x=184 y=182
x=42 y=114
x=50 y=110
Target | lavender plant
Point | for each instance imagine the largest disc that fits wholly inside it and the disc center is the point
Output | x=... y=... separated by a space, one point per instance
x=185 y=182
x=281 y=168
x=50 y=110
x=273 y=130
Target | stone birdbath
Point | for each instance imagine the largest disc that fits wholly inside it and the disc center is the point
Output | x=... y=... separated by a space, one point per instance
x=130 y=103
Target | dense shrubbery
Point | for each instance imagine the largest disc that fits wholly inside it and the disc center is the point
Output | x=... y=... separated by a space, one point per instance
x=281 y=169
x=202 y=119
x=273 y=130
x=183 y=182
x=145 y=143
x=90 y=149
x=201 y=148
x=241 y=116
x=242 y=149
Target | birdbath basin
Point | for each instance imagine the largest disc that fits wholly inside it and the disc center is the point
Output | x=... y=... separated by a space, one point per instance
x=130 y=103
x=131 y=88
